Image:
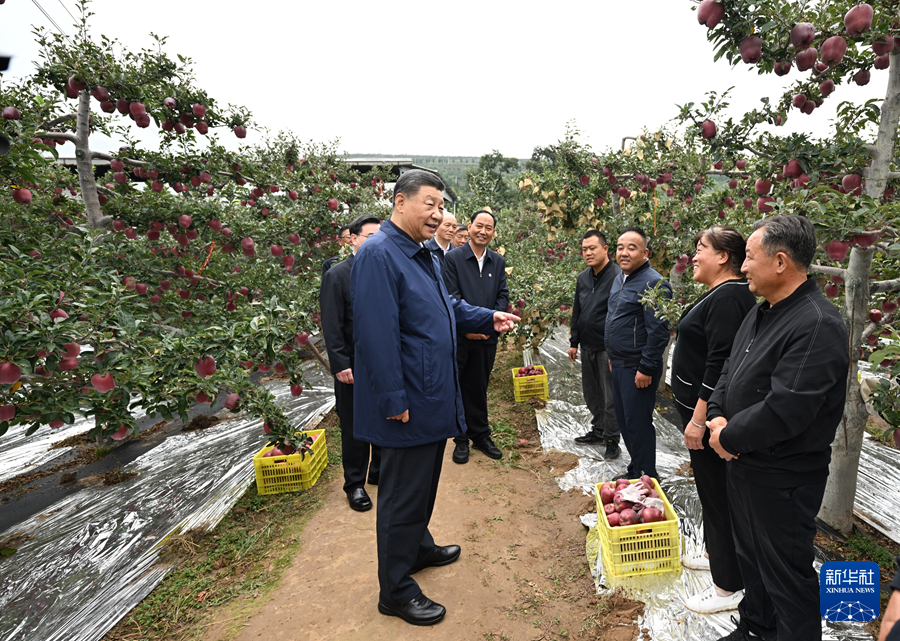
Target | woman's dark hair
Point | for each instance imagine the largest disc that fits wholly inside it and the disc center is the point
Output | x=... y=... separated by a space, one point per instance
x=728 y=240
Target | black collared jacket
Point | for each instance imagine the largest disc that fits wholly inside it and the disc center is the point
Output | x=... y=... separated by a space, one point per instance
x=589 y=311
x=486 y=288
x=337 y=315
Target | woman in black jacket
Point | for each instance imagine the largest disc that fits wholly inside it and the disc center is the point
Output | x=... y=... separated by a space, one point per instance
x=705 y=334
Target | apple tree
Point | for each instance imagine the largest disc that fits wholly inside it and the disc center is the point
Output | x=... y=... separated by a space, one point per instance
x=843 y=182
x=191 y=267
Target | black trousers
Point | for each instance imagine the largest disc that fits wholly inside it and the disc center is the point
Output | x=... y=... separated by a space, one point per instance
x=634 y=412
x=475 y=361
x=354 y=453
x=712 y=488
x=406 y=493
x=774 y=530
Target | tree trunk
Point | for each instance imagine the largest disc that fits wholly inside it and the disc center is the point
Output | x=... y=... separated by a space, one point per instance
x=840 y=492
x=85 y=165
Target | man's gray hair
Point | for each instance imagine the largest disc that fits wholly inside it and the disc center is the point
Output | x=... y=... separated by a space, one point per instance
x=793 y=235
x=413 y=180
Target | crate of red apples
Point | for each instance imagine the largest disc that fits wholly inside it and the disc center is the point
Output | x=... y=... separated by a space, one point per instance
x=638 y=528
x=530 y=381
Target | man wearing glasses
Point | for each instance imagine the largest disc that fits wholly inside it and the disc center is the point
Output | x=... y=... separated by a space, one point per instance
x=343 y=241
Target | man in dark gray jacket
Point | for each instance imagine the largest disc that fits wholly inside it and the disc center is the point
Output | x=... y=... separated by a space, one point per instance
x=588 y=325
x=773 y=415
x=636 y=339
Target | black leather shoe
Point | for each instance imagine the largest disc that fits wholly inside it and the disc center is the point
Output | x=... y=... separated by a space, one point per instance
x=612 y=450
x=419 y=611
x=442 y=555
x=359 y=500
x=461 y=453
x=487 y=446
x=589 y=439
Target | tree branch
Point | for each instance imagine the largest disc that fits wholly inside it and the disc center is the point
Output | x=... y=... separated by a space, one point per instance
x=882 y=286
x=127 y=161
x=58 y=121
x=177 y=275
x=58 y=135
x=758 y=153
x=828 y=269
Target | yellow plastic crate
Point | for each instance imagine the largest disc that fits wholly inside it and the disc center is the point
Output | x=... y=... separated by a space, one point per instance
x=655 y=550
x=530 y=386
x=289 y=473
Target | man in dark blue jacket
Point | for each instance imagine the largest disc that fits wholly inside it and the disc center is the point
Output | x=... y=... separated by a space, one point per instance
x=588 y=327
x=337 y=326
x=477 y=275
x=636 y=339
x=406 y=385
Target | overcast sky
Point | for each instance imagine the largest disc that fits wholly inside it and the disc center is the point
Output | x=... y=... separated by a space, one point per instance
x=449 y=78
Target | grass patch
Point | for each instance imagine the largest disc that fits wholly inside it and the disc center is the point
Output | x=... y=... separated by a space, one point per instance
x=228 y=573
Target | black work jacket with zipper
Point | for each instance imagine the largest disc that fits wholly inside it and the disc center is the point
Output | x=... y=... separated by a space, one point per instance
x=782 y=390
x=486 y=288
x=590 y=307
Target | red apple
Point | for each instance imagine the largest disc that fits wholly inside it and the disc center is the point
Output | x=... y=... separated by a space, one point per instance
x=763 y=186
x=10 y=113
x=120 y=434
x=333 y=204
x=782 y=68
x=710 y=13
x=882 y=62
x=206 y=366
x=708 y=129
x=802 y=35
x=831 y=290
x=103 y=383
x=833 y=50
x=762 y=203
x=751 y=49
x=185 y=221
x=859 y=19
x=240 y=132
x=198 y=110
x=59 y=313
x=875 y=315
x=9 y=373
x=21 y=196
x=7 y=412
x=852 y=184
x=277 y=250
x=585 y=180
x=792 y=169
x=201 y=127
x=806 y=59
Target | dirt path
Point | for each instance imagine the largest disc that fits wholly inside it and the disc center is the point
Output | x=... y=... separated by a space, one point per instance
x=522 y=574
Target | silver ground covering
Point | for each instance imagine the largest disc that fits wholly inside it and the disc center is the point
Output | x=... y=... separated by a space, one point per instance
x=565 y=417
x=86 y=561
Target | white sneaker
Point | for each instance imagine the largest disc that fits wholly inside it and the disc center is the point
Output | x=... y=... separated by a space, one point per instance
x=709 y=601
x=696 y=561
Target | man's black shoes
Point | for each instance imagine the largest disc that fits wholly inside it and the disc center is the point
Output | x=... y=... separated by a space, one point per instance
x=461 y=453
x=487 y=446
x=359 y=500
x=589 y=439
x=612 y=450
x=442 y=555
x=419 y=611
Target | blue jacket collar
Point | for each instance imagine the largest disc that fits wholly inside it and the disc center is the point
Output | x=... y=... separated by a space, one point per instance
x=406 y=244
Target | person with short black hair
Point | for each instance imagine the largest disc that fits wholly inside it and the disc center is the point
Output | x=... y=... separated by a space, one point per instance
x=406 y=387
x=461 y=235
x=343 y=241
x=337 y=327
x=636 y=339
x=589 y=311
x=773 y=416
x=705 y=334
x=477 y=275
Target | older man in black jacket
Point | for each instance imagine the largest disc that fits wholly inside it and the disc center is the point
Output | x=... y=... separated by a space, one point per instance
x=477 y=275
x=773 y=415
x=337 y=326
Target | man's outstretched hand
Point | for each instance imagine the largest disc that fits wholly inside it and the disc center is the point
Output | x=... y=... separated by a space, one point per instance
x=504 y=322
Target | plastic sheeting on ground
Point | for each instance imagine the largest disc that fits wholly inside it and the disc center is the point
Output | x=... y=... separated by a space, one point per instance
x=85 y=562
x=566 y=417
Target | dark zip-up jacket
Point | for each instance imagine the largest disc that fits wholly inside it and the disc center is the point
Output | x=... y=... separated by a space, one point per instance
x=635 y=336
x=783 y=389
x=433 y=246
x=486 y=288
x=337 y=315
x=705 y=335
x=589 y=310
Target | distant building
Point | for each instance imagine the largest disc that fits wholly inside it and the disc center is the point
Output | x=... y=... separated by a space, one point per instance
x=397 y=167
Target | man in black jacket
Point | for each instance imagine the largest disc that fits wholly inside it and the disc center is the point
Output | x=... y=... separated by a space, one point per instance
x=477 y=275
x=343 y=241
x=773 y=415
x=337 y=326
x=441 y=243
x=588 y=325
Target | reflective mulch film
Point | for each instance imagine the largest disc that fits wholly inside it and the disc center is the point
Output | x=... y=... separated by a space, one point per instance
x=86 y=561
x=566 y=417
